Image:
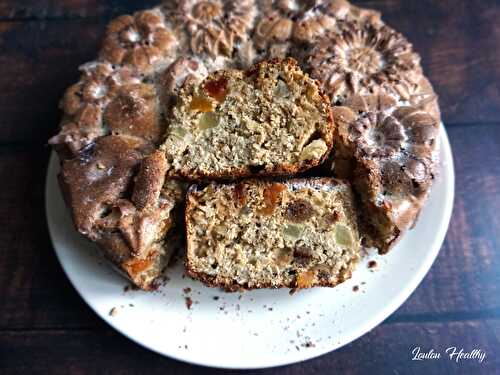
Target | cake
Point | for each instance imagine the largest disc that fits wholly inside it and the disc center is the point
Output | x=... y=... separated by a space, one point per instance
x=121 y=171
x=269 y=120
x=295 y=233
x=387 y=148
x=137 y=234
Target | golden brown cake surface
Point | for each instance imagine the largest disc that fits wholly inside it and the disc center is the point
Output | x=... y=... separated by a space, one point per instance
x=120 y=112
x=390 y=150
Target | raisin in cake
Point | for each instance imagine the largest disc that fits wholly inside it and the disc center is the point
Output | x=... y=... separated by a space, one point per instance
x=119 y=112
x=269 y=120
x=254 y=234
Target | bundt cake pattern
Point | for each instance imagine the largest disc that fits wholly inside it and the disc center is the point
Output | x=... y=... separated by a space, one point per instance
x=142 y=40
x=390 y=150
x=117 y=115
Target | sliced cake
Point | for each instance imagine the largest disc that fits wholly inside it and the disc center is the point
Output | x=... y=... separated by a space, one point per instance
x=122 y=201
x=387 y=148
x=298 y=233
x=270 y=120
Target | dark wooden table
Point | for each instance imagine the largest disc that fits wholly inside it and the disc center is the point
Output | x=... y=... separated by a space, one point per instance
x=46 y=328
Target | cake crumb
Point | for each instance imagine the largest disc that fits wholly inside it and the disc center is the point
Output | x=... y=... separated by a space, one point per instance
x=308 y=344
x=113 y=311
x=372 y=264
x=355 y=288
x=189 y=303
x=130 y=287
x=186 y=290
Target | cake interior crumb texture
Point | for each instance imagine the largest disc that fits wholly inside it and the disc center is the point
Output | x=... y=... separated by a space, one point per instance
x=253 y=234
x=271 y=119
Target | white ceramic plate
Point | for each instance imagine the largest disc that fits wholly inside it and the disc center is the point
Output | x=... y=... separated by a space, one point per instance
x=259 y=328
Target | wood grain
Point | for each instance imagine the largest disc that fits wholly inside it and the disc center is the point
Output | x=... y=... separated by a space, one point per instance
x=39 y=60
x=26 y=10
x=466 y=274
x=385 y=350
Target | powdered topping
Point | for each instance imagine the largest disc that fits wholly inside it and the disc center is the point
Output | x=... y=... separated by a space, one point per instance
x=134 y=112
x=84 y=102
x=215 y=26
x=364 y=58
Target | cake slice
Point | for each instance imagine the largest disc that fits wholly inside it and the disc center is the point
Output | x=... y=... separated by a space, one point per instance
x=122 y=201
x=270 y=120
x=388 y=149
x=298 y=233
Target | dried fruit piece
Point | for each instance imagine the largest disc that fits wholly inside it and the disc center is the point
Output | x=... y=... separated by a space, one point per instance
x=282 y=90
x=201 y=104
x=292 y=232
x=239 y=194
x=299 y=211
x=217 y=89
x=178 y=132
x=271 y=197
x=283 y=256
x=342 y=235
x=302 y=254
x=314 y=150
x=332 y=217
x=136 y=266
x=306 y=279
x=208 y=120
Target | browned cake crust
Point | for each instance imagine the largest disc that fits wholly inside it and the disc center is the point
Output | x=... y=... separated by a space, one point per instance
x=388 y=149
x=119 y=110
x=295 y=233
x=131 y=231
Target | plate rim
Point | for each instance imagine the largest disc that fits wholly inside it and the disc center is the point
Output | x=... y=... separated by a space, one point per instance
x=448 y=174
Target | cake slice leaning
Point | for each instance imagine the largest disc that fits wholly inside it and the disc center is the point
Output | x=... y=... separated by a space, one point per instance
x=388 y=149
x=253 y=234
x=122 y=201
x=270 y=120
